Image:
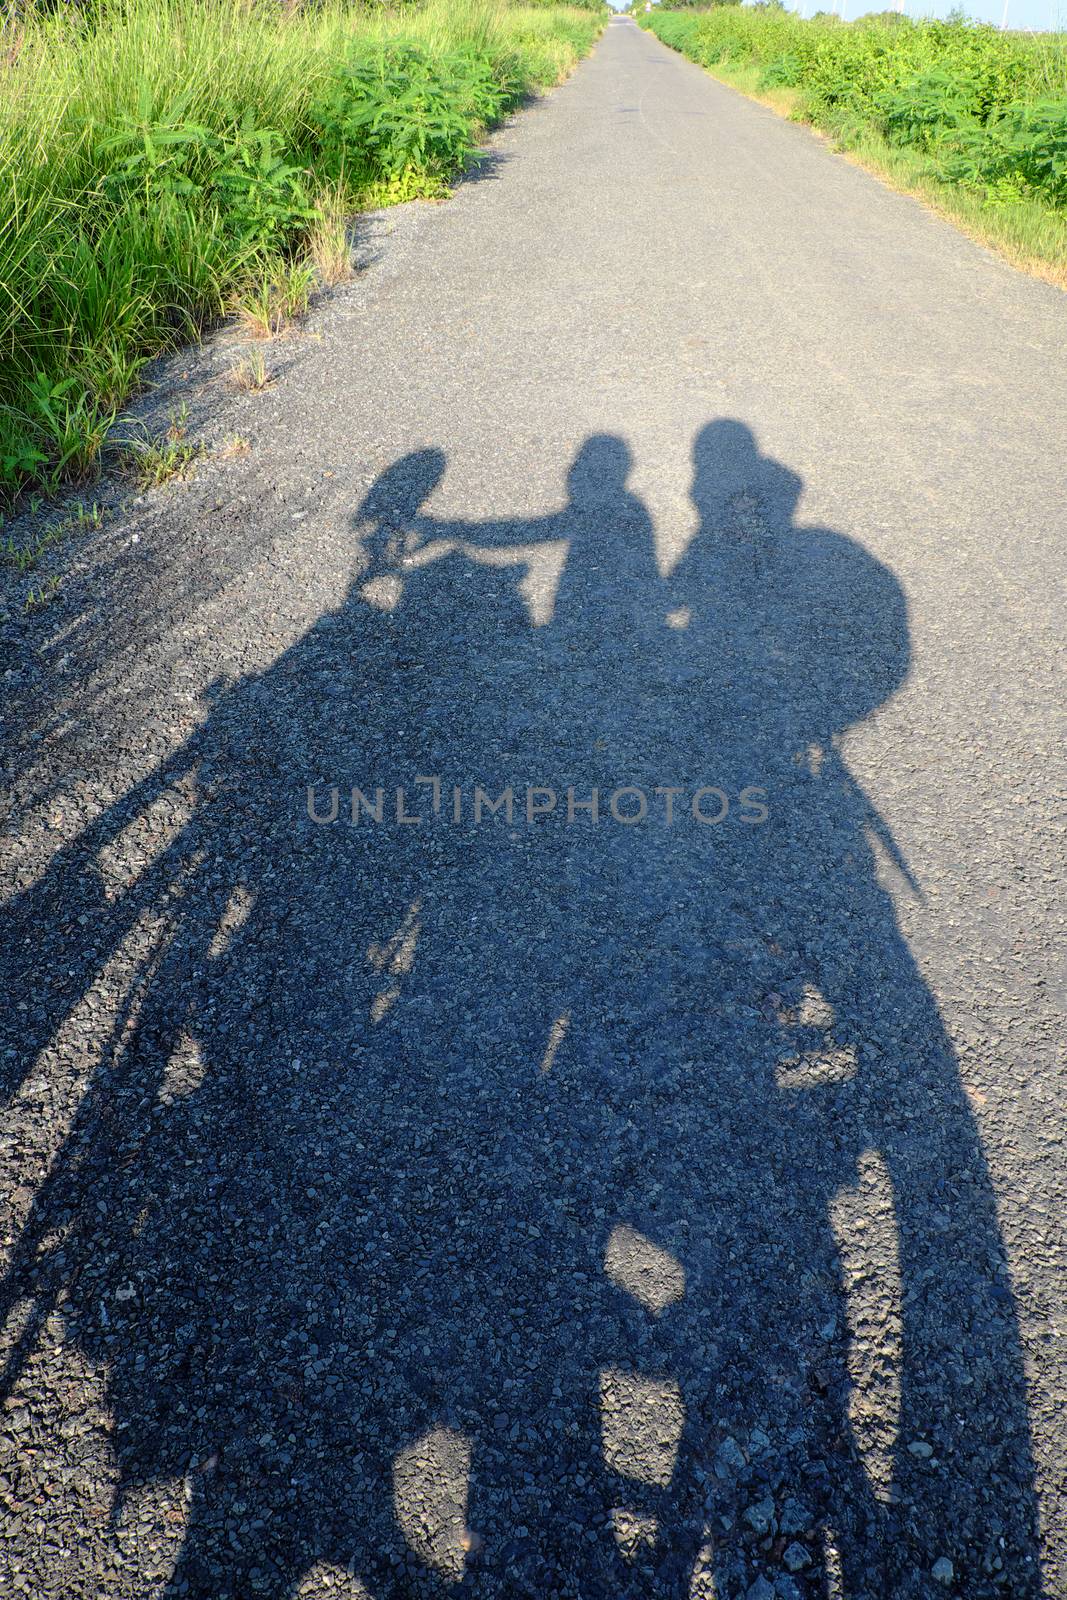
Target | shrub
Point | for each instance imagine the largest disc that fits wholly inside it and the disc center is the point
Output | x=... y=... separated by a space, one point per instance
x=1022 y=153
x=926 y=109
x=399 y=110
x=785 y=71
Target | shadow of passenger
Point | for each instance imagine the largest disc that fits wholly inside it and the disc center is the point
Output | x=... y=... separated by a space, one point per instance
x=565 y=1195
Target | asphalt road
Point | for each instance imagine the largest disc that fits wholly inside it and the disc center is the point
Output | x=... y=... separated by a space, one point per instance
x=534 y=1204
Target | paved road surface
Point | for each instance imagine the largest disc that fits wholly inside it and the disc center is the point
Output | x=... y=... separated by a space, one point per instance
x=532 y=1205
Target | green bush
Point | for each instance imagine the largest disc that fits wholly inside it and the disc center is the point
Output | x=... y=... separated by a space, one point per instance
x=926 y=110
x=1022 y=153
x=400 y=110
x=784 y=71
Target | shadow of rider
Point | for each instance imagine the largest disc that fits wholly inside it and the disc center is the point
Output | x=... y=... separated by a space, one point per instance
x=608 y=1167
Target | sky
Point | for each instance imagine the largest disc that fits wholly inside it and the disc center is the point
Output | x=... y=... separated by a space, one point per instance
x=1035 y=14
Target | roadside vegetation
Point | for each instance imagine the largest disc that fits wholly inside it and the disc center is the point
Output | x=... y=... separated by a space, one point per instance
x=164 y=163
x=972 y=119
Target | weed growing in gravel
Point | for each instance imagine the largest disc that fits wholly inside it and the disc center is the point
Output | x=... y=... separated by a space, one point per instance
x=25 y=556
x=292 y=286
x=83 y=518
x=40 y=594
x=156 y=461
x=328 y=248
x=251 y=373
x=268 y=303
x=236 y=445
x=259 y=308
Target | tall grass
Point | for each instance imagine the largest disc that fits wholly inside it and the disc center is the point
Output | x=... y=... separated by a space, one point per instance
x=156 y=156
x=972 y=119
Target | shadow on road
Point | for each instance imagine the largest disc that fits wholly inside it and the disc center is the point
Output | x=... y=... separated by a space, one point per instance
x=539 y=1204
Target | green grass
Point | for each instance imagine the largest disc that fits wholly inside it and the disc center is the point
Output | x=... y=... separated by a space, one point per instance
x=972 y=121
x=155 y=461
x=26 y=554
x=164 y=162
x=40 y=594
